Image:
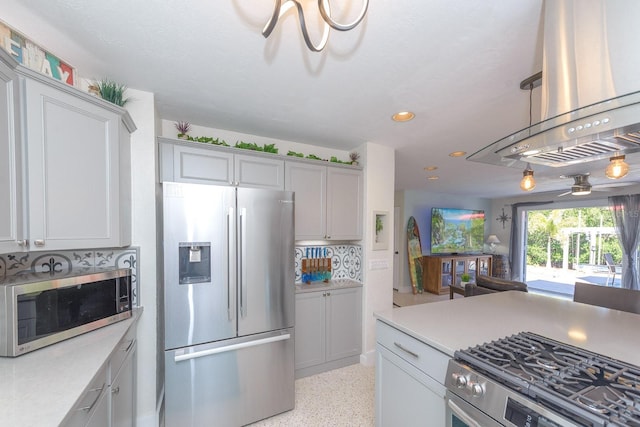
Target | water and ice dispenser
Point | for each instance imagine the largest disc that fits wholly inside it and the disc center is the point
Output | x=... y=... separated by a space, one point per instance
x=194 y=262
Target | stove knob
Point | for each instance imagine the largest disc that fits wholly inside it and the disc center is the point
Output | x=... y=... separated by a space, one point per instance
x=475 y=389
x=459 y=380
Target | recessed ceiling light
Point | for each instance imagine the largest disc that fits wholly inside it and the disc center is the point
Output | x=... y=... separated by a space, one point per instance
x=403 y=116
x=457 y=154
x=433 y=177
x=431 y=168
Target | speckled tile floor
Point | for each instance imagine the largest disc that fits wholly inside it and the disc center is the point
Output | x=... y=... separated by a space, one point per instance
x=342 y=397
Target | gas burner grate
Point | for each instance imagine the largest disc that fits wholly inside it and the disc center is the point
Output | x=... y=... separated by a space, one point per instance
x=561 y=376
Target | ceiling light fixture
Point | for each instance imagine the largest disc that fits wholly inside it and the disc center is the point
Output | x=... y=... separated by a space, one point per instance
x=431 y=168
x=617 y=168
x=403 y=116
x=527 y=183
x=433 y=177
x=282 y=7
x=457 y=154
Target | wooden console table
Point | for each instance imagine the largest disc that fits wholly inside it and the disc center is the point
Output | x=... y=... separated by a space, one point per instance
x=440 y=272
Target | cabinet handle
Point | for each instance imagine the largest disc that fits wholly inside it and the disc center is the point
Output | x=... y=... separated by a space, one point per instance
x=115 y=390
x=90 y=407
x=405 y=350
x=23 y=243
x=328 y=294
x=38 y=242
x=129 y=346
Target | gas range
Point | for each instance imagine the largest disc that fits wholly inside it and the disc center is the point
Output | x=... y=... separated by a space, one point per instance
x=562 y=384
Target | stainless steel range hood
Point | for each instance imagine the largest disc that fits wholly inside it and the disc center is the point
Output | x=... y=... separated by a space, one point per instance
x=590 y=88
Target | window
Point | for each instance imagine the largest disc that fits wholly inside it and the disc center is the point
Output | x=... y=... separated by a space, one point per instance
x=565 y=244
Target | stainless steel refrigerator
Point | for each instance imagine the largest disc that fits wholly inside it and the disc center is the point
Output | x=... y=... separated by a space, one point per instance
x=228 y=304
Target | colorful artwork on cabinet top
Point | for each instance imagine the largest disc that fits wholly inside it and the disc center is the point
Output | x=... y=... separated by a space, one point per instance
x=34 y=57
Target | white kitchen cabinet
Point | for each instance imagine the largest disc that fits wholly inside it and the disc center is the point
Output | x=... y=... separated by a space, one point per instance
x=409 y=380
x=328 y=201
x=123 y=388
x=328 y=330
x=11 y=221
x=68 y=177
x=201 y=163
x=92 y=409
x=109 y=401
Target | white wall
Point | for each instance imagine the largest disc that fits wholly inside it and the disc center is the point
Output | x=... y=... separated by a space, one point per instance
x=418 y=204
x=379 y=172
x=143 y=183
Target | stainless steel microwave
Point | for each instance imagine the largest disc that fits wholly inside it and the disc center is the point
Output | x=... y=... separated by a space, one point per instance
x=37 y=310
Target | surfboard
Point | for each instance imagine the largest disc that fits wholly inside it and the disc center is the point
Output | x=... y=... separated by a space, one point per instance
x=415 y=256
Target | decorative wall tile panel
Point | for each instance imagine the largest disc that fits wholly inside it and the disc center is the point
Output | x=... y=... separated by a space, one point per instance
x=74 y=261
x=346 y=261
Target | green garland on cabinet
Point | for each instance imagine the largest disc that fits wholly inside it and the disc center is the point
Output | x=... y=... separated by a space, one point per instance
x=266 y=148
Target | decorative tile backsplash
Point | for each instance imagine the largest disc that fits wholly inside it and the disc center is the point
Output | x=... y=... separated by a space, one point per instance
x=80 y=261
x=346 y=261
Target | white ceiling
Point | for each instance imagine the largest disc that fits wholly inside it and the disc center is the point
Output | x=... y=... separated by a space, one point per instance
x=457 y=65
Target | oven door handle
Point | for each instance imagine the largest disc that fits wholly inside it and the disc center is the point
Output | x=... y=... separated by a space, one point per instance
x=462 y=415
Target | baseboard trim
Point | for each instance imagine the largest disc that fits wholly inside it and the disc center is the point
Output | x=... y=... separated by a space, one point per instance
x=329 y=366
x=368 y=358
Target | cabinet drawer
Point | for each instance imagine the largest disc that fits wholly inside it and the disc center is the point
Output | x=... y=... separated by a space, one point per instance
x=125 y=346
x=84 y=408
x=429 y=360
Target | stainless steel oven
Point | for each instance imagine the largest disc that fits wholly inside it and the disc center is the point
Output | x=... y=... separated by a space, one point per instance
x=480 y=402
x=37 y=309
x=527 y=380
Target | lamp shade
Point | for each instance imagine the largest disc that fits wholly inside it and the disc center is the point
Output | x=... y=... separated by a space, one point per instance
x=493 y=239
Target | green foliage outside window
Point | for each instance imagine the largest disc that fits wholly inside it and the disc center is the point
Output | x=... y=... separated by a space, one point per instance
x=547 y=236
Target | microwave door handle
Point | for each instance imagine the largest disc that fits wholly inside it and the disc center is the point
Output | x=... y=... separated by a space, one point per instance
x=464 y=417
x=230 y=234
x=242 y=258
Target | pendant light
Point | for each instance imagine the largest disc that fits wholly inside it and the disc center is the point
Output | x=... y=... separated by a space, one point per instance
x=527 y=183
x=617 y=168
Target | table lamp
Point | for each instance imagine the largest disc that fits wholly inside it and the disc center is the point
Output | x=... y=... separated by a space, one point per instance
x=493 y=241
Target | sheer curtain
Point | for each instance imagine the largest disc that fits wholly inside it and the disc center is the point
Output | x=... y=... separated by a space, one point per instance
x=626 y=217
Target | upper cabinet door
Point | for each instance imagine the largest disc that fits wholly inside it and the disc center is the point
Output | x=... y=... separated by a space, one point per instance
x=12 y=213
x=198 y=165
x=76 y=179
x=309 y=184
x=259 y=172
x=344 y=204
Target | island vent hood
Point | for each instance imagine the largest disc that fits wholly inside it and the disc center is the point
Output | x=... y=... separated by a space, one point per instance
x=590 y=98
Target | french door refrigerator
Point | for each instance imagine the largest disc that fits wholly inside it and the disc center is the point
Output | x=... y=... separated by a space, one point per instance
x=228 y=304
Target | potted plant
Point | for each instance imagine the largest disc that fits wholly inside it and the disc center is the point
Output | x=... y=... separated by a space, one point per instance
x=183 y=129
x=465 y=278
x=110 y=91
x=354 y=156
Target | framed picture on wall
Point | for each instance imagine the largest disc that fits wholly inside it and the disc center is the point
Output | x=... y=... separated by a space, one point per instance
x=380 y=236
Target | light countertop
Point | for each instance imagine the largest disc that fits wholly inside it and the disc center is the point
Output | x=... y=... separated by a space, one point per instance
x=465 y=322
x=324 y=286
x=39 y=388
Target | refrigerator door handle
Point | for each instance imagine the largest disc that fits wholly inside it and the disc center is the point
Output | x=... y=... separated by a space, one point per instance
x=232 y=347
x=242 y=240
x=230 y=228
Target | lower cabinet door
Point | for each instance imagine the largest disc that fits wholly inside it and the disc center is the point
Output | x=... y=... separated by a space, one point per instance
x=122 y=394
x=310 y=329
x=100 y=415
x=406 y=396
x=344 y=323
